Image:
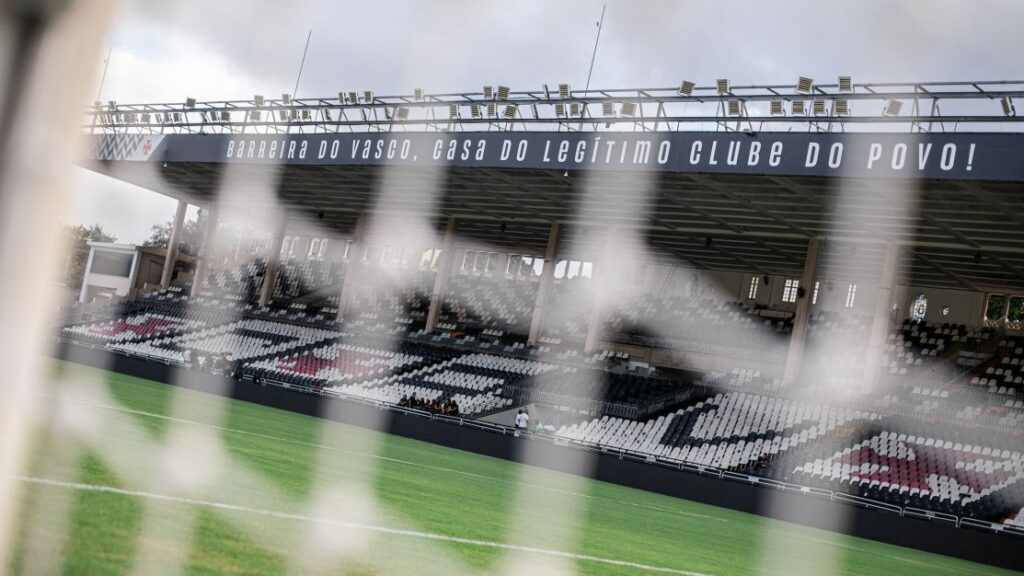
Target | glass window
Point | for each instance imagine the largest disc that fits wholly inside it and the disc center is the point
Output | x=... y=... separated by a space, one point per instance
x=1015 y=311
x=920 y=308
x=851 y=295
x=789 y=291
x=754 y=282
x=814 y=295
x=995 y=309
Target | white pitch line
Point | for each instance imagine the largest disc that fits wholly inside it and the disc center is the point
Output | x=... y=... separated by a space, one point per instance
x=354 y=525
x=379 y=457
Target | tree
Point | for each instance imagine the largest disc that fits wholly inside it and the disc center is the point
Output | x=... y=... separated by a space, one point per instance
x=77 y=240
x=188 y=241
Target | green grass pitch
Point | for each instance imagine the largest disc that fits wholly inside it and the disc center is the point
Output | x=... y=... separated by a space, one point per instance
x=134 y=477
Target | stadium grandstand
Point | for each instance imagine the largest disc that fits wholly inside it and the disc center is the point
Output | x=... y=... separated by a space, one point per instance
x=815 y=288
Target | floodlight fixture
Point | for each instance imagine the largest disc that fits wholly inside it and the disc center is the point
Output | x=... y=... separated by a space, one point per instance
x=305 y=115
x=353 y=98
x=417 y=94
x=608 y=109
x=798 y=108
x=776 y=109
x=845 y=84
x=286 y=99
x=560 y=110
x=190 y=103
x=892 y=107
x=818 y=107
x=503 y=92
x=804 y=85
x=403 y=113
x=453 y=111
x=112 y=106
x=686 y=88
x=492 y=109
x=1008 y=108
x=258 y=100
x=723 y=86
x=368 y=96
x=474 y=110
x=510 y=111
x=734 y=108
x=488 y=92
x=574 y=109
x=841 y=107
x=145 y=117
x=256 y=115
x=628 y=109
x=564 y=92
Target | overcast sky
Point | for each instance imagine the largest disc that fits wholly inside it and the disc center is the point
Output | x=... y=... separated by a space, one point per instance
x=228 y=49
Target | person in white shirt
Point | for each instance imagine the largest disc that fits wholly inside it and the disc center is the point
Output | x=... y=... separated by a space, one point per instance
x=526 y=421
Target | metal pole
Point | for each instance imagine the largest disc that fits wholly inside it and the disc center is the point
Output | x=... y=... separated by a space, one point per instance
x=593 y=55
x=302 y=64
x=103 y=79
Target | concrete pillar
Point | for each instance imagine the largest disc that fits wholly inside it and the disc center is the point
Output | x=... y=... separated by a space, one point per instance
x=209 y=231
x=444 y=269
x=273 y=260
x=547 y=278
x=172 y=244
x=880 y=322
x=84 y=292
x=352 y=268
x=798 y=338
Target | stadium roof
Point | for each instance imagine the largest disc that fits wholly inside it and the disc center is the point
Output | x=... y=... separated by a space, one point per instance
x=963 y=229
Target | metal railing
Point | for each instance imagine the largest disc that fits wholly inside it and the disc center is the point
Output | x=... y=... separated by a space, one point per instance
x=823 y=107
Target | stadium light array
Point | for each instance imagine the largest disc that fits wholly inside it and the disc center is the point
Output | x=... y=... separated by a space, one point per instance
x=510 y=111
x=723 y=86
x=190 y=103
x=564 y=92
x=403 y=113
x=286 y=99
x=417 y=94
x=842 y=107
x=574 y=108
x=734 y=107
x=775 y=108
x=488 y=92
x=256 y=116
x=799 y=108
x=145 y=117
x=453 y=111
x=608 y=109
x=686 y=88
x=1008 y=108
x=112 y=106
x=503 y=92
x=818 y=107
x=628 y=109
x=560 y=110
x=474 y=111
x=368 y=96
x=892 y=107
x=258 y=100
x=492 y=110
x=306 y=116
x=804 y=85
x=845 y=84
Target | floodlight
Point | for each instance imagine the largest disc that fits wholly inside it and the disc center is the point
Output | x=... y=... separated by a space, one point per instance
x=510 y=111
x=341 y=97
x=190 y=102
x=628 y=109
x=845 y=84
x=353 y=98
x=368 y=96
x=503 y=92
x=892 y=107
x=258 y=100
x=1008 y=107
x=686 y=88
x=305 y=115
x=293 y=115
x=574 y=108
x=159 y=118
x=97 y=105
x=776 y=109
x=804 y=85
x=225 y=116
x=474 y=110
x=841 y=107
x=453 y=110
x=818 y=107
x=112 y=106
x=488 y=92
x=176 y=117
x=132 y=117
x=403 y=113
x=417 y=94
x=560 y=109
x=734 y=107
x=286 y=99
x=799 y=108
x=492 y=110
x=608 y=109
x=145 y=117
x=723 y=86
x=255 y=115
x=564 y=92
